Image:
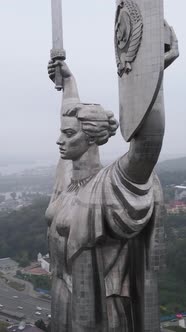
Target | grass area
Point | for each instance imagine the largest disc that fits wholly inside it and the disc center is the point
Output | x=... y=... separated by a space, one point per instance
x=19 y=287
x=2 y=276
x=174 y=329
x=172 y=296
x=16 y=285
x=3 y=326
x=45 y=297
x=42 y=281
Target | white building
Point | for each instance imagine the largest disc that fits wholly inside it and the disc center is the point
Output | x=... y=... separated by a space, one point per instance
x=44 y=261
x=180 y=192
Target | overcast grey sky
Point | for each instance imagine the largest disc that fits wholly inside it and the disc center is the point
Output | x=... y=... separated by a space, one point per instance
x=29 y=104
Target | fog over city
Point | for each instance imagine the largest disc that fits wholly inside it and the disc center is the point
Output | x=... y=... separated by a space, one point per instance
x=30 y=105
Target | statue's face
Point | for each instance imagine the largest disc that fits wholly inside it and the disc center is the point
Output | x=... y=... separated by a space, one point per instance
x=73 y=142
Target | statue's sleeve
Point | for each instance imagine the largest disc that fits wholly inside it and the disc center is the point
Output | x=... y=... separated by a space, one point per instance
x=155 y=235
x=127 y=206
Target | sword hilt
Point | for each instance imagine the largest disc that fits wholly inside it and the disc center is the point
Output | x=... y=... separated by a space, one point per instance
x=61 y=56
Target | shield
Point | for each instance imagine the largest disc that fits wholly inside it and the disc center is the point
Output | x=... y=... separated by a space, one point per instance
x=139 y=44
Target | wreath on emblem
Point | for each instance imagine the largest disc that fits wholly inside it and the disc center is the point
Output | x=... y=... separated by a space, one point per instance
x=128 y=35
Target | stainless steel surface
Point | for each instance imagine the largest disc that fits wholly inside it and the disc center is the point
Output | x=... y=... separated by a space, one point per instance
x=139 y=88
x=57 y=52
x=105 y=225
x=57 y=28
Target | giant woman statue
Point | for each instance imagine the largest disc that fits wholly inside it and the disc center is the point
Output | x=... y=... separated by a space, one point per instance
x=105 y=225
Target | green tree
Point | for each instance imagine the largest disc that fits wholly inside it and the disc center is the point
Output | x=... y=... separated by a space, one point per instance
x=3 y=327
x=24 y=259
x=23 y=233
x=41 y=325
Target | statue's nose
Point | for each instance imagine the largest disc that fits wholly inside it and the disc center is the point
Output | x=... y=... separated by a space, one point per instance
x=60 y=140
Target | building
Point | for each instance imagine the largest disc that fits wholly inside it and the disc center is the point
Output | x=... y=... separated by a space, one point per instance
x=8 y=265
x=176 y=207
x=44 y=261
x=41 y=267
x=35 y=270
x=180 y=192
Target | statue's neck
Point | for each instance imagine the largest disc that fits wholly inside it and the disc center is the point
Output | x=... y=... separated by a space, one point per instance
x=88 y=165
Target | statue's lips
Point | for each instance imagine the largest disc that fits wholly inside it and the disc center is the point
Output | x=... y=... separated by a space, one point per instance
x=62 y=150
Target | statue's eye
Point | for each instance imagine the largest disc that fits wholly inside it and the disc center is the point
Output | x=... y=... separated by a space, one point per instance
x=70 y=133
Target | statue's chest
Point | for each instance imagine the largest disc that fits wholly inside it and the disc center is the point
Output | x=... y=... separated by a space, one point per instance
x=65 y=214
x=58 y=233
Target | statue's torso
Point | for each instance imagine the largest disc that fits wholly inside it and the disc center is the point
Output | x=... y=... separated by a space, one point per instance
x=79 y=219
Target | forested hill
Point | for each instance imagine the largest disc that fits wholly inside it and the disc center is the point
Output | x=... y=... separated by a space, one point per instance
x=172 y=171
x=173 y=280
x=172 y=165
x=23 y=232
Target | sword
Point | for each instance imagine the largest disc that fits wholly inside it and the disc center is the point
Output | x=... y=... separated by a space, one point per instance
x=57 y=52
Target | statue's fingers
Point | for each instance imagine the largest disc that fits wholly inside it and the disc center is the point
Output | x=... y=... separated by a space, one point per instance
x=112 y=120
x=114 y=127
x=57 y=63
x=102 y=133
x=51 y=70
x=110 y=114
x=52 y=77
x=112 y=133
x=51 y=74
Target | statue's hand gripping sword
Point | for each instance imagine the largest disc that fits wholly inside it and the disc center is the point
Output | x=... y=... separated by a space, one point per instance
x=57 y=52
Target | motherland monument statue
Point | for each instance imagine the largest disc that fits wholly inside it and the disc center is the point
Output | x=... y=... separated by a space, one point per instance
x=105 y=224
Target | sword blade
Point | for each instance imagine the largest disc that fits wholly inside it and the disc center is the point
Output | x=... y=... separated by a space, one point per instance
x=57 y=51
x=57 y=27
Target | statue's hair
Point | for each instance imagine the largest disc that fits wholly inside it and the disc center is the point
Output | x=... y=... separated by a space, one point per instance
x=96 y=122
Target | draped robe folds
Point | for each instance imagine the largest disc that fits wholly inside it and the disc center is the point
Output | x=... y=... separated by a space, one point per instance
x=103 y=238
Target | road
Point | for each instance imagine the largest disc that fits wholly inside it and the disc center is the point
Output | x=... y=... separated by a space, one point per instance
x=11 y=299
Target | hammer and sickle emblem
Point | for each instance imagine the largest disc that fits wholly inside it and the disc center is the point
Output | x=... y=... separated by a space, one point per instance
x=128 y=35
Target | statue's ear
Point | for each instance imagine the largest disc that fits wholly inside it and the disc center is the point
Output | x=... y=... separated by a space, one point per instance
x=91 y=140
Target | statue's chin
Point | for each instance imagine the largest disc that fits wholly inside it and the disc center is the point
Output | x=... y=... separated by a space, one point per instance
x=64 y=157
